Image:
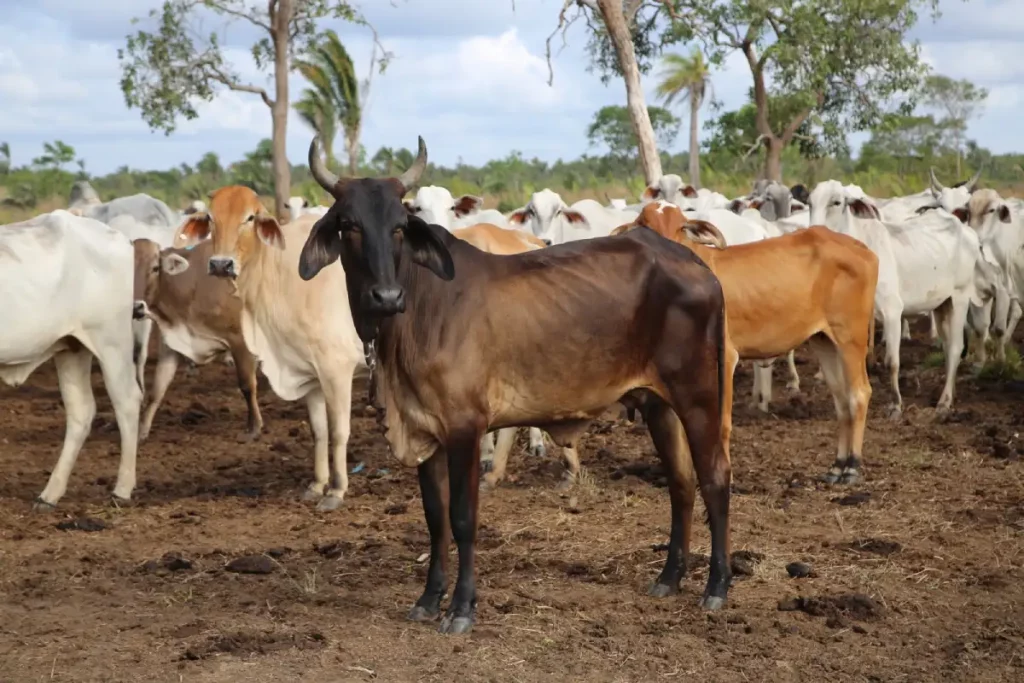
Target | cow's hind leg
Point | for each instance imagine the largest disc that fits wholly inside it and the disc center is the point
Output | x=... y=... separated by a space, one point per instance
x=245 y=371
x=832 y=367
x=500 y=444
x=463 y=451
x=166 y=365
x=891 y=334
x=73 y=370
x=537 y=447
x=955 y=312
x=793 y=383
x=433 y=478
x=669 y=440
x=141 y=331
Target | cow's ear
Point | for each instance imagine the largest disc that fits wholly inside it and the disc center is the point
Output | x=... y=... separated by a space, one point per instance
x=518 y=216
x=703 y=232
x=467 y=204
x=574 y=216
x=173 y=264
x=1004 y=213
x=736 y=206
x=688 y=191
x=962 y=213
x=651 y=192
x=428 y=247
x=322 y=248
x=196 y=229
x=269 y=231
x=863 y=209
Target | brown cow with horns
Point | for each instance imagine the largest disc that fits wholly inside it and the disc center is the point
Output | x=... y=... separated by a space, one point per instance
x=613 y=316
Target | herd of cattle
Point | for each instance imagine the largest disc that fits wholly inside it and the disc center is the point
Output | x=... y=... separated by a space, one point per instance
x=471 y=323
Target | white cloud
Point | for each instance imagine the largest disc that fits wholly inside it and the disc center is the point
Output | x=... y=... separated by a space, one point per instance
x=469 y=76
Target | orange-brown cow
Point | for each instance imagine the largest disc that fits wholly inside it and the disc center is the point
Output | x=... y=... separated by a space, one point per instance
x=816 y=286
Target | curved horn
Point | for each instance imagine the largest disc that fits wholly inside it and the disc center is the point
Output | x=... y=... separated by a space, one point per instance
x=318 y=168
x=413 y=173
x=974 y=179
x=936 y=185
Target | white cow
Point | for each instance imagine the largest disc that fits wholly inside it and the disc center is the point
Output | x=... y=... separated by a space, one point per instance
x=549 y=218
x=436 y=205
x=299 y=206
x=924 y=264
x=68 y=296
x=898 y=209
x=672 y=189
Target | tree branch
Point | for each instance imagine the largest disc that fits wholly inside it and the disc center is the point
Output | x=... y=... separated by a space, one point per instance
x=757 y=143
x=232 y=84
x=563 y=26
x=224 y=9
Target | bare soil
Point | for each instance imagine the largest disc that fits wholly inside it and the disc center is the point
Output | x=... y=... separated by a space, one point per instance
x=917 y=574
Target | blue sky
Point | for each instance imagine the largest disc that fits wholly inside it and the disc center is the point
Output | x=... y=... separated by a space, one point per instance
x=468 y=75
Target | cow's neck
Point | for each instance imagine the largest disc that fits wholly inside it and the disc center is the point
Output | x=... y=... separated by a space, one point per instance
x=260 y=274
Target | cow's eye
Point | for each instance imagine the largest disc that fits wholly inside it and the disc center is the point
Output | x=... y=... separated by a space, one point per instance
x=156 y=268
x=250 y=218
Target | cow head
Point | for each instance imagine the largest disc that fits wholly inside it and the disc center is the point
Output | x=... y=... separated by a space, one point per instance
x=436 y=205
x=984 y=212
x=668 y=221
x=830 y=198
x=370 y=231
x=670 y=188
x=545 y=214
x=149 y=264
x=950 y=198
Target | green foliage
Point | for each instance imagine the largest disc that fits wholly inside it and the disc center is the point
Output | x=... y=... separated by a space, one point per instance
x=5 y=162
x=1009 y=369
x=334 y=95
x=613 y=128
x=688 y=76
x=56 y=155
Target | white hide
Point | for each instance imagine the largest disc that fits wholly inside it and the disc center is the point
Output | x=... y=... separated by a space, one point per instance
x=67 y=284
x=547 y=216
x=436 y=205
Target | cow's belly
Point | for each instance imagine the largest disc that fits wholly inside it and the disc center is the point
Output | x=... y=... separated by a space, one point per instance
x=510 y=405
x=15 y=369
x=197 y=345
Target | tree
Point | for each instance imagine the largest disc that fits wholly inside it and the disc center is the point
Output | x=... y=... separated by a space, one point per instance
x=839 y=60
x=209 y=165
x=960 y=101
x=166 y=72
x=903 y=143
x=5 y=163
x=689 y=77
x=612 y=126
x=623 y=28
x=256 y=170
x=384 y=160
x=335 y=95
x=56 y=155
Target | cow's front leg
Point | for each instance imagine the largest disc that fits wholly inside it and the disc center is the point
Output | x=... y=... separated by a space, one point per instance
x=464 y=477
x=433 y=476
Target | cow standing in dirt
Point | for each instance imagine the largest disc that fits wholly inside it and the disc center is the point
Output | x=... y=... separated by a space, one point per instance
x=495 y=341
x=199 y=318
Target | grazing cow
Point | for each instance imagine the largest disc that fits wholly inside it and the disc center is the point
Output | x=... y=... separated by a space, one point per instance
x=815 y=286
x=199 y=318
x=437 y=206
x=299 y=331
x=67 y=282
x=136 y=216
x=926 y=264
x=490 y=341
x=549 y=218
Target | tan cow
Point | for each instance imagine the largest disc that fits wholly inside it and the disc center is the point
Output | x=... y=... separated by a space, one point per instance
x=199 y=318
x=301 y=332
x=814 y=285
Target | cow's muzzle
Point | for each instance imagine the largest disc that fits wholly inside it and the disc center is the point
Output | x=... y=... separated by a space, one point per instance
x=384 y=300
x=220 y=266
x=140 y=310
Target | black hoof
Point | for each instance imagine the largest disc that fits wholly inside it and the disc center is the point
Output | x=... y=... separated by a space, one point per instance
x=662 y=590
x=712 y=603
x=486 y=466
x=831 y=477
x=422 y=614
x=453 y=625
x=538 y=451
x=850 y=477
x=41 y=505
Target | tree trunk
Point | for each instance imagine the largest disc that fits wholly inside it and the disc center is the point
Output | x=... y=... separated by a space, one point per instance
x=773 y=158
x=279 y=111
x=694 y=143
x=352 y=146
x=615 y=22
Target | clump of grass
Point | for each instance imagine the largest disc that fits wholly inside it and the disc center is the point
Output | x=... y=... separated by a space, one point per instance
x=935 y=359
x=1009 y=369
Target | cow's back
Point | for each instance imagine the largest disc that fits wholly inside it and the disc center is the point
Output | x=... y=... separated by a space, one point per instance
x=141 y=207
x=293 y=326
x=61 y=275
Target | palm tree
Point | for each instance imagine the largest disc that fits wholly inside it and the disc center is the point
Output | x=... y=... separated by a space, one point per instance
x=689 y=77
x=334 y=97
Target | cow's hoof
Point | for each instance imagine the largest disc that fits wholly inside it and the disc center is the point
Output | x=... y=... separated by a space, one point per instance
x=486 y=466
x=488 y=482
x=121 y=501
x=328 y=503
x=41 y=505
x=454 y=626
x=850 y=477
x=895 y=413
x=538 y=451
x=712 y=603
x=831 y=477
x=566 y=483
x=421 y=614
x=311 y=495
x=248 y=437
x=662 y=590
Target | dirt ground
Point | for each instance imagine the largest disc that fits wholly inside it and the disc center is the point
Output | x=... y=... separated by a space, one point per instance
x=916 y=573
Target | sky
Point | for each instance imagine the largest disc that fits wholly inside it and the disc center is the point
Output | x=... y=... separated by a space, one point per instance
x=468 y=75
